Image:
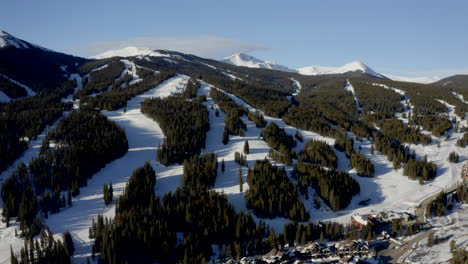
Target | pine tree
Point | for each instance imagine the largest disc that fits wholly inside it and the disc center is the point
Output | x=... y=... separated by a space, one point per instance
x=223 y=166
x=430 y=240
x=13 y=258
x=69 y=246
x=225 y=137
x=246 y=147
x=111 y=192
x=241 y=181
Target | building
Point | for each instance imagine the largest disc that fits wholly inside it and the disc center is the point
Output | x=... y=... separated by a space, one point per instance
x=362 y=220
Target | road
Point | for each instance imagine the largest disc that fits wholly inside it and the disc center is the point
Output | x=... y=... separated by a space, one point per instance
x=397 y=255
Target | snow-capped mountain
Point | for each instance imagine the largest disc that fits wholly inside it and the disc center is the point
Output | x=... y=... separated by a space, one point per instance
x=242 y=59
x=128 y=52
x=355 y=66
x=7 y=39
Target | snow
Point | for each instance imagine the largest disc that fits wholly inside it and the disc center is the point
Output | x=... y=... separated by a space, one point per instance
x=129 y=52
x=406 y=102
x=459 y=96
x=349 y=67
x=130 y=68
x=7 y=236
x=28 y=90
x=423 y=79
x=389 y=190
x=144 y=135
x=349 y=87
x=7 y=39
x=242 y=59
x=451 y=227
x=296 y=87
x=4 y=98
x=230 y=76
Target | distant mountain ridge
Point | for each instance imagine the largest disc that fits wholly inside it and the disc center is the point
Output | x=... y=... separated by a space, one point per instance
x=7 y=39
x=245 y=60
x=355 y=66
x=455 y=81
x=128 y=52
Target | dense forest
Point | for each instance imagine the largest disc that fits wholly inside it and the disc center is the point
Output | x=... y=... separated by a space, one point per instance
x=280 y=141
x=420 y=169
x=47 y=251
x=184 y=124
x=233 y=123
x=117 y=98
x=271 y=193
x=377 y=99
x=200 y=172
x=344 y=144
x=24 y=119
x=11 y=89
x=362 y=165
x=334 y=187
x=83 y=143
x=319 y=152
x=204 y=218
x=102 y=79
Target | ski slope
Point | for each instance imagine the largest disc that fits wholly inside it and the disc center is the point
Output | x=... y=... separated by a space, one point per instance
x=144 y=135
x=388 y=190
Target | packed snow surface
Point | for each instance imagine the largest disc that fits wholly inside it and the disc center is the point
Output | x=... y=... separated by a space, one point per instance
x=129 y=52
x=349 y=67
x=28 y=90
x=242 y=59
x=144 y=135
x=4 y=98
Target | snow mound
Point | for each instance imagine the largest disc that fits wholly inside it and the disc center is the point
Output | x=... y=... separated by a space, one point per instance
x=242 y=59
x=129 y=52
x=349 y=67
x=8 y=40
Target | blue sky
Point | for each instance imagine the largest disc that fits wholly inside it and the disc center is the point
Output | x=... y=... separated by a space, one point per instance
x=413 y=38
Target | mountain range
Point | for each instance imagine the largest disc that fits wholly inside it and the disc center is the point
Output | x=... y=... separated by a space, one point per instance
x=155 y=156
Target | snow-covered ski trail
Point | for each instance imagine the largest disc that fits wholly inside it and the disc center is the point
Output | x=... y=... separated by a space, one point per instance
x=144 y=135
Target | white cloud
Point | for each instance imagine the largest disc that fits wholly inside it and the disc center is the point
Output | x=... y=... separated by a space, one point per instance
x=203 y=46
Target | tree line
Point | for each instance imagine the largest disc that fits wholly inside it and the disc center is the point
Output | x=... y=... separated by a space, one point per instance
x=184 y=124
x=118 y=98
x=233 y=123
x=204 y=218
x=85 y=142
x=319 y=152
x=272 y=194
x=336 y=188
x=279 y=140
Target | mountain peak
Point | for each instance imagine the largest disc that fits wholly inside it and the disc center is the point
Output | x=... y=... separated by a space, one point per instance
x=245 y=60
x=349 y=67
x=8 y=40
x=129 y=51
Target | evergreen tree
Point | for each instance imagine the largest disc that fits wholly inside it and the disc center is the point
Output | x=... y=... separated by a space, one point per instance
x=246 y=147
x=225 y=137
x=241 y=181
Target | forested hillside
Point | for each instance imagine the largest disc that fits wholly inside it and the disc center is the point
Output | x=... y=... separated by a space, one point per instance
x=241 y=161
